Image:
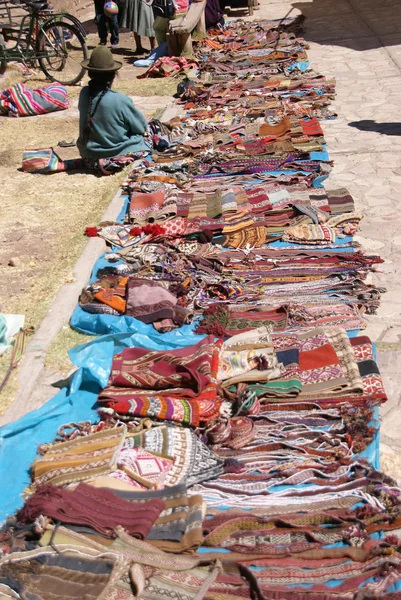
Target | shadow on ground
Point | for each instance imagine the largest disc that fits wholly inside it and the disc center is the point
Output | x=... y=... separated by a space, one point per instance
x=90 y=25
x=384 y=128
x=356 y=24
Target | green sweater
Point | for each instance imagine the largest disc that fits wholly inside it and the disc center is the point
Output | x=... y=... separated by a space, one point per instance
x=117 y=127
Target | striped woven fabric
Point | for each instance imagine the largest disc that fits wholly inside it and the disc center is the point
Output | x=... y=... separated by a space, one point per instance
x=20 y=101
x=43 y=160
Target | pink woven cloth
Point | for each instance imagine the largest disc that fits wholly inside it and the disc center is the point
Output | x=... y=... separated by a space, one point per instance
x=169 y=65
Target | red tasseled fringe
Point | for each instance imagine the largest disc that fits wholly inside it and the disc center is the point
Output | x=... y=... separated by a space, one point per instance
x=149 y=229
x=92 y=231
x=33 y=507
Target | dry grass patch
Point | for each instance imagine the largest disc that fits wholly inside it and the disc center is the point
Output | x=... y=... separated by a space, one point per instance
x=43 y=217
x=43 y=221
x=147 y=87
x=8 y=394
x=57 y=357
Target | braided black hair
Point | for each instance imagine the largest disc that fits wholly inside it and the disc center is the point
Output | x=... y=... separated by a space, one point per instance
x=98 y=82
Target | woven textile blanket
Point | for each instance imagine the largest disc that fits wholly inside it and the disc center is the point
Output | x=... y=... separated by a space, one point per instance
x=126 y=403
x=185 y=371
x=176 y=385
x=20 y=101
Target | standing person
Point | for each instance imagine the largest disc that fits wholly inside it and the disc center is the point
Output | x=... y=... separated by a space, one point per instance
x=109 y=124
x=137 y=16
x=214 y=15
x=106 y=19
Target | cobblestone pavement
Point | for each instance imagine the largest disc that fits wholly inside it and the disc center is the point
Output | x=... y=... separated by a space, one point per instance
x=358 y=42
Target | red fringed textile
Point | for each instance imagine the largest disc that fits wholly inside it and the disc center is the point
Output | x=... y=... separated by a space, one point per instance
x=148 y=229
x=99 y=509
x=92 y=231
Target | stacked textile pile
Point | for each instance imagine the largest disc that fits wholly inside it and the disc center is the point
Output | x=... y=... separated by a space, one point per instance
x=235 y=290
x=212 y=382
x=176 y=385
x=241 y=463
x=229 y=220
x=246 y=454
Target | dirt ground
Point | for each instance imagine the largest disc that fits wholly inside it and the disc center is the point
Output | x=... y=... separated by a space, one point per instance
x=43 y=217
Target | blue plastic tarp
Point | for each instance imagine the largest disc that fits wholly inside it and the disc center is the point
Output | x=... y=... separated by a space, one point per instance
x=19 y=440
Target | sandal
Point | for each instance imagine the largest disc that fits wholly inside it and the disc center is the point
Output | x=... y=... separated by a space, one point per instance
x=64 y=144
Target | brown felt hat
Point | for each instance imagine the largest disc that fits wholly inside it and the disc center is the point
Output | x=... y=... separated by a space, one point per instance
x=101 y=60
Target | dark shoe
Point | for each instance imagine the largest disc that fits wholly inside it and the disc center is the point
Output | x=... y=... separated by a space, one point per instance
x=103 y=42
x=115 y=43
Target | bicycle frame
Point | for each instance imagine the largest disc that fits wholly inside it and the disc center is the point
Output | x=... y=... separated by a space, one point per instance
x=25 y=48
x=22 y=50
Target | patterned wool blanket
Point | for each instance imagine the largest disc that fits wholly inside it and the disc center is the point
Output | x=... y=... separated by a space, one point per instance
x=20 y=101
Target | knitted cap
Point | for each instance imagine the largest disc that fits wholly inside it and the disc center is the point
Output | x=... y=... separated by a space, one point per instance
x=101 y=60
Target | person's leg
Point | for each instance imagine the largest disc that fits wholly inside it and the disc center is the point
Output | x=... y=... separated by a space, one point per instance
x=160 y=26
x=101 y=21
x=138 y=43
x=102 y=28
x=98 y=7
x=95 y=19
x=114 y=30
x=152 y=42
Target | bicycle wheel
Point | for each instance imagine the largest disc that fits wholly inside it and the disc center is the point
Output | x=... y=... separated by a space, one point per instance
x=61 y=48
x=3 y=63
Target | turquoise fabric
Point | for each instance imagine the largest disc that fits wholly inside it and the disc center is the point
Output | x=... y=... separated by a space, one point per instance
x=302 y=66
x=117 y=127
x=3 y=329
x=3 y=332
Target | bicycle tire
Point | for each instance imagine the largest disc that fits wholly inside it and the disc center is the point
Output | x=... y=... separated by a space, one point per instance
x=68 y=18
x=47 y=32
x=3 y=63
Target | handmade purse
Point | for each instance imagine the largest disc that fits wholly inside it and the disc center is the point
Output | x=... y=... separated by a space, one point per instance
x=42 y=160
x=46 y=160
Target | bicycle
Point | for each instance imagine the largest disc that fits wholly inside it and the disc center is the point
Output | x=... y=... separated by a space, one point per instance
x=56 y=41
